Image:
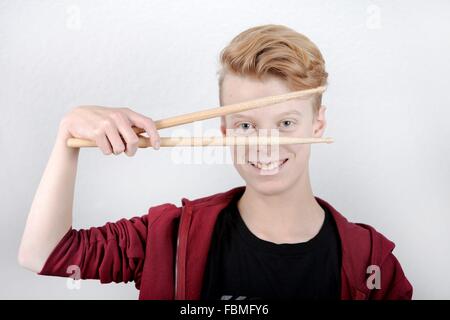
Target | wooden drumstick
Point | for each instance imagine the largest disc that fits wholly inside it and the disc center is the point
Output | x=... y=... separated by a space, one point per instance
x=212 y=113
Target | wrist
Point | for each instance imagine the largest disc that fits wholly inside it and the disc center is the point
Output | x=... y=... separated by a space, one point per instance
x=63 y=135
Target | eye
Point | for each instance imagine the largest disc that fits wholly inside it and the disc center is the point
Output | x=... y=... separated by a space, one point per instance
x=245 y=126
x=286 y=123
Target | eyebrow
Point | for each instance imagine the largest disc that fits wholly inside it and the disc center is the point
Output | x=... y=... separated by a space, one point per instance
x=283 y=114
x=240 y=116
x=291 y=112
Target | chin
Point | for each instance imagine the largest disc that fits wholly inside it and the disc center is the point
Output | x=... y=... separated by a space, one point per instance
x=271 y=184
x=269 y=188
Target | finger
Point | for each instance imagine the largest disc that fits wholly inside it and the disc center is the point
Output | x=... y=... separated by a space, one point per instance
x=103 y=143
x=124 y=126
x=147 y=124
x=113 y=136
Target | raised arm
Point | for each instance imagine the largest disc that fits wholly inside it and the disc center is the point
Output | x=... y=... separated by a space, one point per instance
x=50 y=216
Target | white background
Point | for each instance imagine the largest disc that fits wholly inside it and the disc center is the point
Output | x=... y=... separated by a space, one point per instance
x=388 y=110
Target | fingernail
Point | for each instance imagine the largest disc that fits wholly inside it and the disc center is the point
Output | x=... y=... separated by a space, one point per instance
x=157 y=145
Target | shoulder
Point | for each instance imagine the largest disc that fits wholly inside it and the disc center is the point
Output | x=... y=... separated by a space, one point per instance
x=366 y=251
x=215 y=199
x=170 y=211
x=359 y=238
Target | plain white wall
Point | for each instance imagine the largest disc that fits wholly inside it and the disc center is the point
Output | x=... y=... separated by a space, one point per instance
x=388 y=110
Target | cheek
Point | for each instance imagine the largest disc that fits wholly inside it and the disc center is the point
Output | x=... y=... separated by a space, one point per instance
x=239 y=154
x=299 y=152
x=303 y=131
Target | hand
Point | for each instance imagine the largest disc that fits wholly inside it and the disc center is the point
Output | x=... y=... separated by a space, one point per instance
x=110 y=128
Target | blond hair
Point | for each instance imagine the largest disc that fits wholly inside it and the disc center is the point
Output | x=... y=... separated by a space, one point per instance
x=278 y=51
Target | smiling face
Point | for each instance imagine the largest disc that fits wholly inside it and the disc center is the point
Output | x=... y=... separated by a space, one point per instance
x=270 y=170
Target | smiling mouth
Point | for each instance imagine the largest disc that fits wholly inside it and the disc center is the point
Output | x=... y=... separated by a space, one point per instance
x=268 y=166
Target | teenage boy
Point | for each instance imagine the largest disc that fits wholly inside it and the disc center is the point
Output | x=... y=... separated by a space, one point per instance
x=271 y=238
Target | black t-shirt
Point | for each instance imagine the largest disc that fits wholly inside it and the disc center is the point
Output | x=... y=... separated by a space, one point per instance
x=242 y=266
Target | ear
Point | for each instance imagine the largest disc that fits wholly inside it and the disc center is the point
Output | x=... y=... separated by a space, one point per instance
x=320 y=123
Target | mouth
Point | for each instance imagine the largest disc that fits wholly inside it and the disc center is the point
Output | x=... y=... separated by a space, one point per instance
x=271 y=167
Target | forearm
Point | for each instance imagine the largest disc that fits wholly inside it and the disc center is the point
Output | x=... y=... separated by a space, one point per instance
x=50 y=215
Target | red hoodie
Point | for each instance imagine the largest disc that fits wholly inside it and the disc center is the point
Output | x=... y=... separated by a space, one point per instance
x=165 y=252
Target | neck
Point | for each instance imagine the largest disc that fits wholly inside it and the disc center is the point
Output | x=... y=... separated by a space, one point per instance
x=292 y=216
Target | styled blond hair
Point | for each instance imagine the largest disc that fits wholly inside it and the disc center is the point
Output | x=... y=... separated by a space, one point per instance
x=275 y=50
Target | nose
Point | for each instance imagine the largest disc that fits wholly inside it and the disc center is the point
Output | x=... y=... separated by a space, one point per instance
x=267 y=152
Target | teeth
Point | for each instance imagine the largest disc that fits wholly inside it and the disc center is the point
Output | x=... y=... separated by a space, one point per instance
x=268 y=166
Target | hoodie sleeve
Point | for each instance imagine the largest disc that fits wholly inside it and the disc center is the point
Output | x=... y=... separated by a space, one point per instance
x=394 y=284
x=114 y=252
